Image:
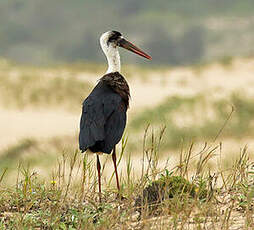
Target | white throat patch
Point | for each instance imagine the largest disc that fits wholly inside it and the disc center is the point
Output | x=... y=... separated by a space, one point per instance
x=111 y=52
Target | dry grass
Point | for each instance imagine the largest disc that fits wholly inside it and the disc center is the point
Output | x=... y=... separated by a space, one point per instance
x=69 y=200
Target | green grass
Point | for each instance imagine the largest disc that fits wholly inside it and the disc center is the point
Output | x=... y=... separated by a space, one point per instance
x=196 y=196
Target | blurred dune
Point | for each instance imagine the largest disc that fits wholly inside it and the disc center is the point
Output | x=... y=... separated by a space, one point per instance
x=46 y=118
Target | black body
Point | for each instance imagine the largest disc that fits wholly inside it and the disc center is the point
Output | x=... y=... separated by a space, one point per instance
x=103 y=116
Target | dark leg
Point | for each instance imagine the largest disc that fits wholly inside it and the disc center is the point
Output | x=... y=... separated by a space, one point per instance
x=99 y=176
x=114 y=161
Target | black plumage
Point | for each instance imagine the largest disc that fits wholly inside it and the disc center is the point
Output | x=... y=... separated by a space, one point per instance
x=103 y=116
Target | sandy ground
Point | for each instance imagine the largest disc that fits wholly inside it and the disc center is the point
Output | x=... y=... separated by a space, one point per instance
x=214 y=80
x=16 y=125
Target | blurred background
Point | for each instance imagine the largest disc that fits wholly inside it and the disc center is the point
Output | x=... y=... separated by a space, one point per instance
x=202 y=69
x=175 y=32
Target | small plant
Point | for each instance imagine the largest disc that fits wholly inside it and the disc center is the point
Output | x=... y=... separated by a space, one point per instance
x=168 y=187
x=164 y=188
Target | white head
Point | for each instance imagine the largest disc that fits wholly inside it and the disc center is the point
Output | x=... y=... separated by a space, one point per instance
x=109 y=43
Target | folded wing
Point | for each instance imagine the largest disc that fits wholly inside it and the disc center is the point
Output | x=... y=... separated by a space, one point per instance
x=102 y=121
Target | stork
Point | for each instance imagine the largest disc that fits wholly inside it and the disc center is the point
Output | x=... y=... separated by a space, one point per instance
x=103 y=117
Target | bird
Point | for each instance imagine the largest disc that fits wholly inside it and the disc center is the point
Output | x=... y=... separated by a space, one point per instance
x=103 y=116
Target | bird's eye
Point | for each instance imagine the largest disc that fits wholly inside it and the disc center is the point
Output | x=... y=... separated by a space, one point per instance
x=112 y=39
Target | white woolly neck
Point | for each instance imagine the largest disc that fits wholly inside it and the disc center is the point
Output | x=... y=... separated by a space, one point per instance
x=112 y=54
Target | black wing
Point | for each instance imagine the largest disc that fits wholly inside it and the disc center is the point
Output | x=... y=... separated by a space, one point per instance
x=102 y=121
